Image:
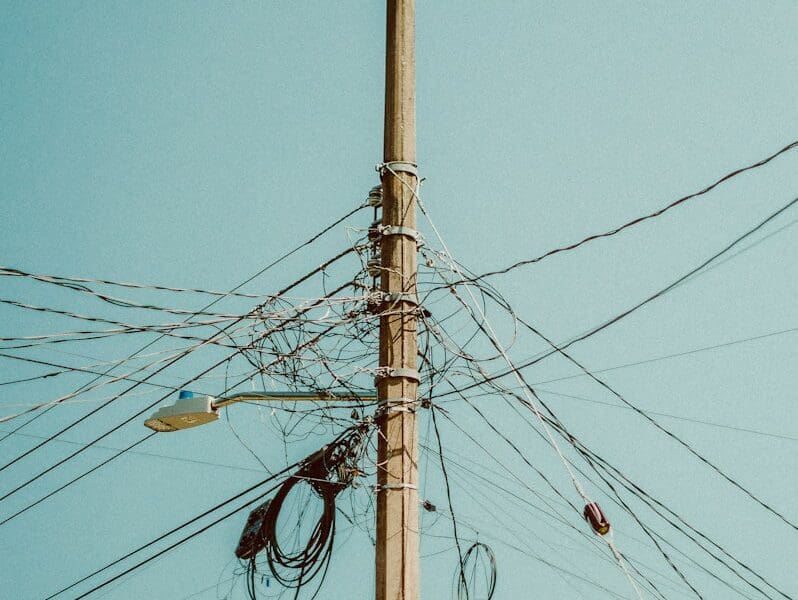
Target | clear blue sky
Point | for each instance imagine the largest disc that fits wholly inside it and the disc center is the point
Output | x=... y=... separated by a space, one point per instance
x=190 y=144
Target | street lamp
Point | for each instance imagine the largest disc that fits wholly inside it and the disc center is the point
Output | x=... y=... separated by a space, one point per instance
x=192 y=410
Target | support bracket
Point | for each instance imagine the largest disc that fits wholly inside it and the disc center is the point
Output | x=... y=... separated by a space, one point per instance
x=401 y=404
x=400 y=297
x=397 y=166
x=395 y=486
x=388 y=372
x=400 y=230
x=379 y=301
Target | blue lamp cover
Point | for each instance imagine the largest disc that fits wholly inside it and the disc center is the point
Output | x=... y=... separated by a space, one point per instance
x=185 y=394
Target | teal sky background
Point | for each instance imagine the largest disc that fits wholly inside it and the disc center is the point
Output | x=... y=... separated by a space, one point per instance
x=190 y=144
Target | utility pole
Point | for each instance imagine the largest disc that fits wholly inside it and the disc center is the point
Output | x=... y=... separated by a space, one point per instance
x=397 y=552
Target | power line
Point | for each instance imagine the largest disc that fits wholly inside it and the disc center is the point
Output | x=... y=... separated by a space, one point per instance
x=215 y=301
x=68 y=369
x=629 y=311
x=449 y=501
x=650 y=419
x=148 y=454
x=674 y=355
x=670 y=416
x=641 y=219
x=178 y=528
x=329 y=469
x=174 y=545
x=568 y=436
x=165 y=366
x=118 y=426
x=75 y=479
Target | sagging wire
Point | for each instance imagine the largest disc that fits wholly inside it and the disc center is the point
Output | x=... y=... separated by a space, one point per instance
x=472 y=558
x=497 y=344
x=326 y=473
x=637 y=220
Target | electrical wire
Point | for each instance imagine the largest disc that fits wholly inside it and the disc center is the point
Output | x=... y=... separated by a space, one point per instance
x=219 y=298
x=174 y=530
x=637 y=220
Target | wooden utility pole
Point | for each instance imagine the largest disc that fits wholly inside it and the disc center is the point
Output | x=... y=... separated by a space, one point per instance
x=397 y=552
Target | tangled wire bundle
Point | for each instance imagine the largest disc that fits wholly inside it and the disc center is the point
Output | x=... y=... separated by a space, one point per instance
x=327 y=472
x=479 y=564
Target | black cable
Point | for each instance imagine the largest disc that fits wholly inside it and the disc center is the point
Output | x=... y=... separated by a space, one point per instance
x=146 y=408
x=463 y=582
x=178 y=528
x=656 y=424
x=295 y=569
x=624 y=314
x=473 y=554
x=175 y=545
x=637 y=220
x=589 y=455
x=327 y=472
x=88 y=445
x=655 y=505
x=206 y=307
x=68 y=369
x=586 y=454
x=75 y=479
x=570 y=438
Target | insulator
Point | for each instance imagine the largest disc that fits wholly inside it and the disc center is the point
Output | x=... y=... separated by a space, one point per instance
x=375 y=196
x=596 y=518
x=374 y=231
x=374 y=266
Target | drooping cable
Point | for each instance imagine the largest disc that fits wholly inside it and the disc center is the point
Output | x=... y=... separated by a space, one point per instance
x=207 y=306
x=178 y=528
x=641 y=219
x=118 y=426
x=148 y=407
x=626 y=313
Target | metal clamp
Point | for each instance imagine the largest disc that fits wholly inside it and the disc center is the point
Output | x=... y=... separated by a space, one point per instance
x=395 y=166
x=393 y=409
x=400 y=297
x=377 y=302
x=390 y=408
x=395 y=486
x=388 y=372
x=403 y=405
x=399 y=230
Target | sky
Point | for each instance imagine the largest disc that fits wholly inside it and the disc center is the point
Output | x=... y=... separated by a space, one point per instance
x=189 y=145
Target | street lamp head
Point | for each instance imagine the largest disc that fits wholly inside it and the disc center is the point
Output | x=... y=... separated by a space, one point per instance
x=189 y=411
x=192 y=410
